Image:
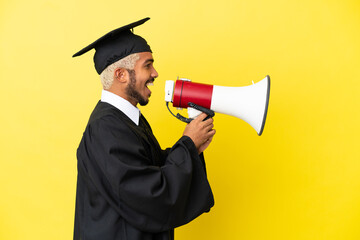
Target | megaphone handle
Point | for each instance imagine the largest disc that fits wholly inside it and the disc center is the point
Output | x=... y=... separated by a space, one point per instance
x=193 y=113
x=210 y=113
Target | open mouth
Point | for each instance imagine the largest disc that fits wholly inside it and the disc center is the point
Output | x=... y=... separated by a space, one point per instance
x=149 y=83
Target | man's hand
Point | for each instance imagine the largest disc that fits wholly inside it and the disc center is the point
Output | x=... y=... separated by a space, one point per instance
x=201 y=132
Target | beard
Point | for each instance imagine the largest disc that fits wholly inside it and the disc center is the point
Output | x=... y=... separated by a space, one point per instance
x=132 y=92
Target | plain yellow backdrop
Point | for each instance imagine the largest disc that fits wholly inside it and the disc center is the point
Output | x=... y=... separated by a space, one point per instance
x=300 y=180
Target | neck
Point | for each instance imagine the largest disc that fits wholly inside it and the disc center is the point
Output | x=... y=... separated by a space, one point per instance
x=122 y=94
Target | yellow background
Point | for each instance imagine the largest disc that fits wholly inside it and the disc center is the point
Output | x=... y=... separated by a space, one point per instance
x=300 y=180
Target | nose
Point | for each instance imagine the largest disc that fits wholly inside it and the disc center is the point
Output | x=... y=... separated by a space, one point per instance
x=154 y=73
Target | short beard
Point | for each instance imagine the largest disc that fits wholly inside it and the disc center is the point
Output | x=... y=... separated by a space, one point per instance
x=131 y=91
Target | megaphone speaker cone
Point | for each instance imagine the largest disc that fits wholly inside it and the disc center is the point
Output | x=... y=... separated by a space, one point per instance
x=249 y=103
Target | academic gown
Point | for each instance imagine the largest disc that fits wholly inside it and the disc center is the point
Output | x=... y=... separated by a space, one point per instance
x=128 y=188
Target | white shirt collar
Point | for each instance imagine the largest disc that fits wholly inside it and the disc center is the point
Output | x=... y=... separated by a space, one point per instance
x=123 y=105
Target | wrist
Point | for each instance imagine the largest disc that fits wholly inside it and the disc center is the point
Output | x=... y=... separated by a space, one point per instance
x=190 y=144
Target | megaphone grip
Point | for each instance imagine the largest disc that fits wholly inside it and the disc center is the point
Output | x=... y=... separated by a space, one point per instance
x=209 y=112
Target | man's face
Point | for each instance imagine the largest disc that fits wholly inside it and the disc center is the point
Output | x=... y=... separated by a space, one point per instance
x=143 y=74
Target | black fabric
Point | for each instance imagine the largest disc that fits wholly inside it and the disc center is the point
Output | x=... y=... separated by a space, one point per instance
x=128 y=188
x=116 y=45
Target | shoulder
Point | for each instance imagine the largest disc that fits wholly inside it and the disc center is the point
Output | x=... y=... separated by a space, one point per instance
x=110 y=133
x=108 y=120
x=105 y=110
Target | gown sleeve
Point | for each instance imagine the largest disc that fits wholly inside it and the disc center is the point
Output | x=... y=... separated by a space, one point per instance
x=151 y=198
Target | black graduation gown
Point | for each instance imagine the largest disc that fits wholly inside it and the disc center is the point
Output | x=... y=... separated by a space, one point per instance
x=128 y=188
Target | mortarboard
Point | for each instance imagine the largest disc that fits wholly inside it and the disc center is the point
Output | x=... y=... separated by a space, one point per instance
x=116 y=45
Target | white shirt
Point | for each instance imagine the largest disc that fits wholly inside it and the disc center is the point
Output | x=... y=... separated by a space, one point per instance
x=123 y=105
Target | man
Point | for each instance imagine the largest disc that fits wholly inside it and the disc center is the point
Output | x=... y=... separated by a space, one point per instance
x=127 y=186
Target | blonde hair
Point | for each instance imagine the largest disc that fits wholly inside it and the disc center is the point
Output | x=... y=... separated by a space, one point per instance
x=107 y=76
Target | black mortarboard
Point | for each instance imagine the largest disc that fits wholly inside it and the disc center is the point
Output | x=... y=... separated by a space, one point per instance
x=116 y=45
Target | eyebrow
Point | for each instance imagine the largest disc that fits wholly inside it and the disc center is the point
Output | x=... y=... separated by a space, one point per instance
x=148 y=60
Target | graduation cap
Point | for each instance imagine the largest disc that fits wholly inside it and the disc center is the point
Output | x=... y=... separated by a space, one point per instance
x=116 y=45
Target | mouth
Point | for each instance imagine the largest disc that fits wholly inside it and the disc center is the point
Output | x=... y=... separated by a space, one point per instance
x=149 y=83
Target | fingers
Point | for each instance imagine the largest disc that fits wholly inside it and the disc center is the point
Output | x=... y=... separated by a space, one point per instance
x=206 y=143
x=208 y=136
x=208 y=124
x=210 y=139
x=200 y=131
x=211 y=133
x=200 y=119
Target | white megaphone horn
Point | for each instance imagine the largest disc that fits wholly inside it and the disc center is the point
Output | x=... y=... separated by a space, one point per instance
x=249 y=103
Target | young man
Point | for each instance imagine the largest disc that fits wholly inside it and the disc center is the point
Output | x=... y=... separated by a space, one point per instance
x=127 y=186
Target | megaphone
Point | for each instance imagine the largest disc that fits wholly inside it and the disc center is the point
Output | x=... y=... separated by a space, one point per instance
x=249 y=103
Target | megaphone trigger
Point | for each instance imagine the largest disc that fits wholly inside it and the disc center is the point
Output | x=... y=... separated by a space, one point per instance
x=210 y=113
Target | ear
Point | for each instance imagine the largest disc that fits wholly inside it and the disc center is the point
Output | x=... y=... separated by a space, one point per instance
x=121 y=75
